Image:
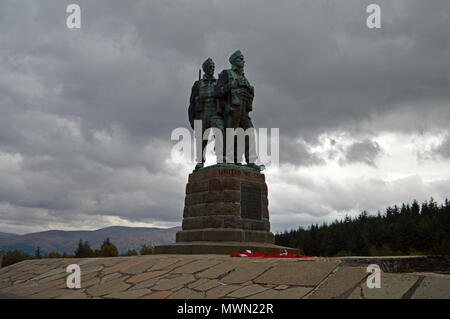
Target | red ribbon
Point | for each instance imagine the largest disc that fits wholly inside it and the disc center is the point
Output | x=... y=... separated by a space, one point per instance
x=249 y=253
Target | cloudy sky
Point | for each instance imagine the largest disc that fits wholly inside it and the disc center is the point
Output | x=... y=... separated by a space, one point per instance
x=86 y=115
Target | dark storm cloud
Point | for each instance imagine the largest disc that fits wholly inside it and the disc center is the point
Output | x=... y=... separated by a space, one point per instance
x=443 y=149
x=86 y=115
x=365 y=152
x=297 y=152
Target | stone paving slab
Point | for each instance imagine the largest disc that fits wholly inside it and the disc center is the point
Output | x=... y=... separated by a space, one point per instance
x=49 y=294
x=340 y=283
x=122 y=266
x=247 y=291
x=247 y=271
x=129 y=294
x=218 y=276
x=90 y=282
x=289 y=293
x=300 y=273
x=148 y=283
x=221 y=291
x=196 y=266
x=186 y=293
x=157 y=295
x=204 y=284
x=218 y=270
x=171 y=283
x=77 y=294
x=433 y=287
x=140 y=267
x=109 y=287
x=146 y=276
x=393 y=286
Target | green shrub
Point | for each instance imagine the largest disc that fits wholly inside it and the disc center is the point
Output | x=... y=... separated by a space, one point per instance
x=108 y=249
x=15 y=256
x=146 y=250
x=84 y=250
x=53 y=254
x=130 y=252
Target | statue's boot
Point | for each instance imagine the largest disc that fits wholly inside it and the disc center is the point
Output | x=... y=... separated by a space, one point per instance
x=256 y=167
x=198 y=166
x=221 y=159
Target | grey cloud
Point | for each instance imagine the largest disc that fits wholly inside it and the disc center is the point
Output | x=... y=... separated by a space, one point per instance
x=365 y=151
x=298 y=153
x=90 y=111
x=443 y=149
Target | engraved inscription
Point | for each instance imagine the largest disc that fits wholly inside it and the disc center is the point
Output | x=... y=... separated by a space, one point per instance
x=251 y=201
x=240 y=173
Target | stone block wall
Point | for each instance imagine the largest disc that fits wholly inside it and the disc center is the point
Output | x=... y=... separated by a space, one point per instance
x=226 y=204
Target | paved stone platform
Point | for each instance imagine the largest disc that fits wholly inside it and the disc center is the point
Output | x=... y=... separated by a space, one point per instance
x=216 y=276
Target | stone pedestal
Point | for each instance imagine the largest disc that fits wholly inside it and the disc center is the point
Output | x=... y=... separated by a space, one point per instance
x=226 y=210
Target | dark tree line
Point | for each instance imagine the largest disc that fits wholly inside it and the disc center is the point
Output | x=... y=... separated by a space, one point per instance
x=107 y=249
x=412 y=229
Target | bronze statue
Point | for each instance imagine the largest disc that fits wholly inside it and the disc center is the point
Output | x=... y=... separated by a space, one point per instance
x=236 y=96
x=225 y=103
x=204 y=106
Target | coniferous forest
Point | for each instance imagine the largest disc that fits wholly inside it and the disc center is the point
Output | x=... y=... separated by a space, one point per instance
x=412 y=229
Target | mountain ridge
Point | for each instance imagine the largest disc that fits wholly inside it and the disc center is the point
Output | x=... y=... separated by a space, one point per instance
x=6 y=235
x=123 y=237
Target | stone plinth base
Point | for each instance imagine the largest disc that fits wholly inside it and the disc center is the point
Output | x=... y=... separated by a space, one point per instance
x=225 y=234
x=225 y=211
x=218 y=248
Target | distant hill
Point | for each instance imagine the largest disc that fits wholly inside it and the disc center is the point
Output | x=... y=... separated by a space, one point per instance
x=6 y=235
x=66 y=241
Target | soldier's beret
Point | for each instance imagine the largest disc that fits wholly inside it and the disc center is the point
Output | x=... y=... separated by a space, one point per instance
x=208 y=61
x=235 y=55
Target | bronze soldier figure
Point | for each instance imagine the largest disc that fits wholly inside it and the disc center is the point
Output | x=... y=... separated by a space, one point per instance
x=204 y=105
x=236 y=97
